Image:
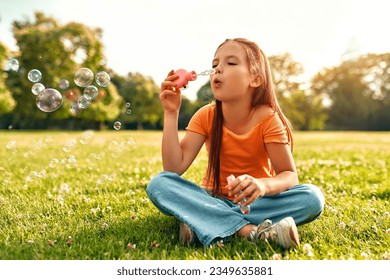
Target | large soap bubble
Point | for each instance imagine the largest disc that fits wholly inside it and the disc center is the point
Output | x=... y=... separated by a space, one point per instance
x=49 y=100
x=103 y=79
x=83 y=77
x=91 y=92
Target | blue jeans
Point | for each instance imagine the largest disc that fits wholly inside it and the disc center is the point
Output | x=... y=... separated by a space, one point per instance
x=215 y=218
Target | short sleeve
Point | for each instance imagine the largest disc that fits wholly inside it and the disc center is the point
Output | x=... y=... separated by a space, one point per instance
x=201 y=121
x=274 y=131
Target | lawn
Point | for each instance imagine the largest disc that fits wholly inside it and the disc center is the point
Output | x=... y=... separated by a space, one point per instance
x=81 y=195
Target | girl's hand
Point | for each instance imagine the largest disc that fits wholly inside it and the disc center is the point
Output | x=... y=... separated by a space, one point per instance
x=249 y=187
x=170 y=97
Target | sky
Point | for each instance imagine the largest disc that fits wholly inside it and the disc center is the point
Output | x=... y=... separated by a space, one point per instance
x=152 y=37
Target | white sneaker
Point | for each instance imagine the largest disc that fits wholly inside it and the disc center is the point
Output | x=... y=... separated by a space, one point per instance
x=284 y=232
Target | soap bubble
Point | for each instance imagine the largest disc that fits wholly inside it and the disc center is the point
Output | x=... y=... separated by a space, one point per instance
x=12 y=64
x=91 y=92
x=37 y=88
x=53 y=163
x=83 y=102
x=117 y=125
x=86 y=137
x=128 y=111
x=74 y=108
x=49 y=100
x=83 y=77
x=102 y=79
x=128 y=105
x=34 y=75
x=69 y=145
x=64 y=84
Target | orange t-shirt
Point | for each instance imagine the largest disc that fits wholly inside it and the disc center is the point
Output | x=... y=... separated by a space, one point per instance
x=241 y=154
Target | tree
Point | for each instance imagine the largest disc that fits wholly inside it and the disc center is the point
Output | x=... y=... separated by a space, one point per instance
x=359 y=93
x=304 y=110
x=142 y=94
x=204 y=95
x=285 y=74
x=7 y=103
x=57 y=51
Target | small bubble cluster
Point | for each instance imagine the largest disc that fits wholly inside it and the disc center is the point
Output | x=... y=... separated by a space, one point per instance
x=50 y=99
x=206 y=72
x=128 y=110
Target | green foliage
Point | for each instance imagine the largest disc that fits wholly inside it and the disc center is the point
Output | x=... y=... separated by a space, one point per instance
x=359 y=92
x=142 y=93
x=81 y=196
x=205 y=94
x=7 y=103
x=303 y=109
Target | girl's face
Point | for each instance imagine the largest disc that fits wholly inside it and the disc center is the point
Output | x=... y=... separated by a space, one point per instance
x=232 y=79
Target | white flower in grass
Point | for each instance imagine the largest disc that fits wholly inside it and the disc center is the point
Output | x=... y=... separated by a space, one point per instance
x=388 y=231
x=131 y=246
x=386 y=256
x=104 y=226
x=364 y=255
x=276 y=257
x=69 y=240
x=31 y=241
x=342 y=225
x=308 y=250
x=64 y=188
x=94 y=211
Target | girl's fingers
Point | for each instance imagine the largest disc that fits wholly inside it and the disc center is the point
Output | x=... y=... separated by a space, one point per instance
x=167 y=93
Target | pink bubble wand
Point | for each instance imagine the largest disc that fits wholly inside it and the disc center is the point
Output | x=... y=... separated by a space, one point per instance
x=187 y=76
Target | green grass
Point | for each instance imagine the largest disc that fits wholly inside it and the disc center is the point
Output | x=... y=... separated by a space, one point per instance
x=88 y=200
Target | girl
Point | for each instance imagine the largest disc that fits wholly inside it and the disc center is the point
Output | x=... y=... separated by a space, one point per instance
x=246 y=135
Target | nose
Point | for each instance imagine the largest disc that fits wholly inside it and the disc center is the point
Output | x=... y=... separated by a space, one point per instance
x=218 y=69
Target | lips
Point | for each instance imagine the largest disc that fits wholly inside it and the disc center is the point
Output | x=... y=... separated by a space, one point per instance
x=217 y=81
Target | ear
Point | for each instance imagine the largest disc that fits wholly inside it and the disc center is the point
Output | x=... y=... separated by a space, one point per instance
x=256 y=81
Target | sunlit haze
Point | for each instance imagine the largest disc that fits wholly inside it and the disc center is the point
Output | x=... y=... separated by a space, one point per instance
x=152 y=37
